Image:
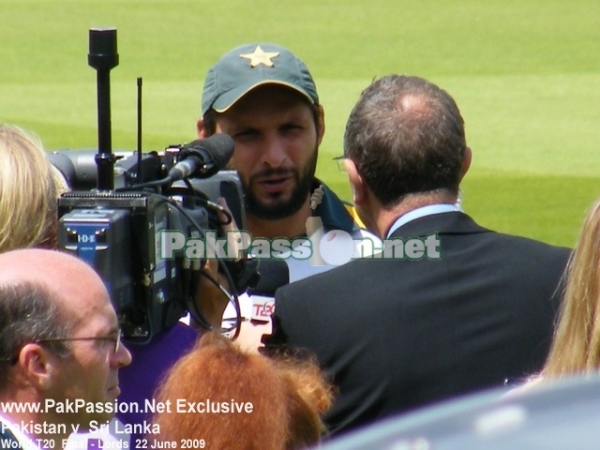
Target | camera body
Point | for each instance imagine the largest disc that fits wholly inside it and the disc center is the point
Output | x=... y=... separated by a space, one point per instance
x=119 y=231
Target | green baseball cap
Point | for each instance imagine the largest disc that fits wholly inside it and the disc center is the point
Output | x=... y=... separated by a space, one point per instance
x=251 y=65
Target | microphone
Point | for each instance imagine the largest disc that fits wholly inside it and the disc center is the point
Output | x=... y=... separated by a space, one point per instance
x=203 y=158
x=273 y=274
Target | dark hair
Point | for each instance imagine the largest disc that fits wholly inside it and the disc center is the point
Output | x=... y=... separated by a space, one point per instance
x=210 y=122
x=28 y=313
x=406 y=136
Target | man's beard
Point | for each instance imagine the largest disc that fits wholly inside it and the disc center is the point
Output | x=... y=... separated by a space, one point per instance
x=282 y=208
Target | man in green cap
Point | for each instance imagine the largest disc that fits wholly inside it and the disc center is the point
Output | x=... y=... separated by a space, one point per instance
x=265 y=98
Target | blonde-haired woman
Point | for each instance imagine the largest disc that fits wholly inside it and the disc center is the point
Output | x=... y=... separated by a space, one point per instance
x=29 y=188
x=576 y=345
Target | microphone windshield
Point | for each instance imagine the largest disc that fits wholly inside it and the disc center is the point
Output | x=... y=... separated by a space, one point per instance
x=219 y=148
x=273 y=274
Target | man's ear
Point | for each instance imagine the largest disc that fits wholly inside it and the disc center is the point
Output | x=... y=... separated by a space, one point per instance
x=466 y=162
x=200 y=129
x=357 y=184
x=320 y=124
x=37 y=365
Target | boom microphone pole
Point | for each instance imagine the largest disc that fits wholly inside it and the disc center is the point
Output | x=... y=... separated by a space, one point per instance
x=103 y=57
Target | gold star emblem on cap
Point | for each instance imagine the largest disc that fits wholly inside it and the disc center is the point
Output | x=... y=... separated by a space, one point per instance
x=260 y=57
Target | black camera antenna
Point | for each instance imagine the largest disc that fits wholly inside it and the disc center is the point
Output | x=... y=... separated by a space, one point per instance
x=139 y=129
x=103 y=57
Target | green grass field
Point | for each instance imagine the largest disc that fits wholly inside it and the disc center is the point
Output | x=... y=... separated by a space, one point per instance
x=526 y=75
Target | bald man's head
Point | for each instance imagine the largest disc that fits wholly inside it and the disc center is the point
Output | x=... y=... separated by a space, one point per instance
x=44 y=294
x=59 y=334
x=62 y=274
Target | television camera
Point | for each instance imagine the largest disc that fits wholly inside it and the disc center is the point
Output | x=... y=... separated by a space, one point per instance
x=121 y=204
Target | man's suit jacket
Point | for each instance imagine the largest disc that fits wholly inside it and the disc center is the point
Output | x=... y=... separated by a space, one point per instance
x=398 y=334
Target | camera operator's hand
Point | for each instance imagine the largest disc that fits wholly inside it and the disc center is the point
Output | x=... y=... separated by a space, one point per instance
x=211 y=299
x=214 y=292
